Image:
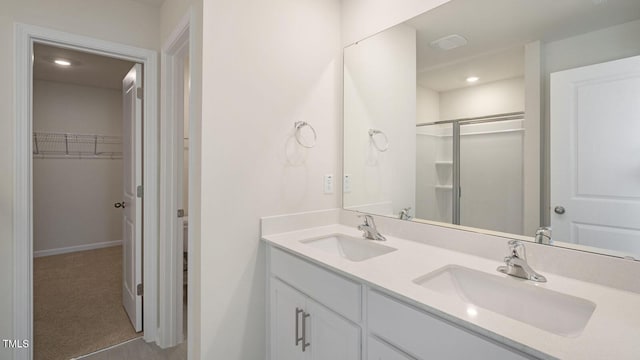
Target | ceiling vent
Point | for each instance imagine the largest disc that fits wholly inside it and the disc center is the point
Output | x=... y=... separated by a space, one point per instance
x=449 y=42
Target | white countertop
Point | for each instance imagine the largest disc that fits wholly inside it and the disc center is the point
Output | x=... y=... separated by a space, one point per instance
x=613 y=332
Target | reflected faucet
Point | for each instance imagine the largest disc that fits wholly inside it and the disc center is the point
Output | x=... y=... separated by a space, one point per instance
x=404 y=214
x=369 y=228
x=517 y=263
x=543 y=235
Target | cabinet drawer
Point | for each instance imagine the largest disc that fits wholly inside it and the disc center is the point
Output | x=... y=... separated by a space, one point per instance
x=333 y=291
x=426 y=336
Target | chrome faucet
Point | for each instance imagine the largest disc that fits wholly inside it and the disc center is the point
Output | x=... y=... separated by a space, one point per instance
x=517 y=263
x=543 y=235
x=369 y=228
x=404 y=214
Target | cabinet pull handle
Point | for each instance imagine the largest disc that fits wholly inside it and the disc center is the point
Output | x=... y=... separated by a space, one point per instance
x=298 y=339
x=305 y=344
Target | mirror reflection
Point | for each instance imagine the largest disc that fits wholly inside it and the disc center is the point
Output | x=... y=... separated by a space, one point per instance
x=514 y=116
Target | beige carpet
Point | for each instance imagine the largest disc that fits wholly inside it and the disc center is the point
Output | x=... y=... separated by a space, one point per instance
x=78 y=304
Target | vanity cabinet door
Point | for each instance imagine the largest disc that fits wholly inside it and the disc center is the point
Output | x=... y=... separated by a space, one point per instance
x=304 y=329
x=377 y=350
x=332 y=337
x=287 y=305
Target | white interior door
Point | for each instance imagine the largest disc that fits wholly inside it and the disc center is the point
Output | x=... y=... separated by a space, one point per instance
x=595 y=155
x=132 y=221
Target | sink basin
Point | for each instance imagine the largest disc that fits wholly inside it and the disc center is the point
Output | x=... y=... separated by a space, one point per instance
x=354 y=249
x=545 y=309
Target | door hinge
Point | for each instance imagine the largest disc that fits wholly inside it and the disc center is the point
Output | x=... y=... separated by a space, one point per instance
x=180 y=213
x=140 y=191
x=140 y=93
x=139 y=290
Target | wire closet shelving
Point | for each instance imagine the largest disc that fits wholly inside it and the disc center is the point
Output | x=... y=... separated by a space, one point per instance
x=47 y=145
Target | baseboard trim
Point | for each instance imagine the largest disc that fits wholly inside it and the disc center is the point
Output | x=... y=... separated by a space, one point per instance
x=70 y=249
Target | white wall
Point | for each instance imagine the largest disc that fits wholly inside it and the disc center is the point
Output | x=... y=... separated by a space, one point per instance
x=122 y=21
x=487 y=99
x=268 y=64
x=73 y=198
x=380 y=93
x=428 y=105
x=608 y=44
x=428 y=146
x=533 y=81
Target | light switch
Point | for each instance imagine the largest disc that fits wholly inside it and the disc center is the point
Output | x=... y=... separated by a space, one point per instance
x=346 y=184
x=328 y=184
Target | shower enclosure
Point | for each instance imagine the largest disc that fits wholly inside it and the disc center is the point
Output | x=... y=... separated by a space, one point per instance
x=470 y=172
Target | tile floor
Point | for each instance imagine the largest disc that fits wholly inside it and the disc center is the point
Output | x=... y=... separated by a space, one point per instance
x=138 y=349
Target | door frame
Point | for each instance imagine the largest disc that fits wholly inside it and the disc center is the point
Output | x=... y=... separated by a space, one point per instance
x=25 y=37
x=178 y=44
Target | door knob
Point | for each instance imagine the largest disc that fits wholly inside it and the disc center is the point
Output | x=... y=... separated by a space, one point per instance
x=559 y=210
x=119 y=205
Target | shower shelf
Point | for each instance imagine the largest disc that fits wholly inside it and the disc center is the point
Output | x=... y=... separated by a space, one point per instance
x=76 y=146
x=444 y=187
x=444 y=163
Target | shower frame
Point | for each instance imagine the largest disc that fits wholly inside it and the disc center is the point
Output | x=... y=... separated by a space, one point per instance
x=456 y=124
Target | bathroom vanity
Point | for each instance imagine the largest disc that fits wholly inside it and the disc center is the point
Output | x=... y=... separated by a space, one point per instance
x=334 y=295
x=328 y=315
x=481 y=123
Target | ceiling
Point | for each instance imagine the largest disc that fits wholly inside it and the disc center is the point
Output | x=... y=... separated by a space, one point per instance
x=503 y=27
x=157 y=3
x=493 y=66
x=86 y=69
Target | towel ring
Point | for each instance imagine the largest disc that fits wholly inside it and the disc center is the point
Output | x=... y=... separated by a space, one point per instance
x=382 y=148
x=299 y=125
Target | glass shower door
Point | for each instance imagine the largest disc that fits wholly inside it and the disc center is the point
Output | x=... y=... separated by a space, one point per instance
x=491 y=175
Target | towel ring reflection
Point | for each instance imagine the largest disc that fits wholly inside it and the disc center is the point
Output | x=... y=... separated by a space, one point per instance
x=299 y=125
x=380 y=147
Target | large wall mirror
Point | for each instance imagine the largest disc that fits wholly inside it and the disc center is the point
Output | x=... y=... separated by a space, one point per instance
x=502 y=115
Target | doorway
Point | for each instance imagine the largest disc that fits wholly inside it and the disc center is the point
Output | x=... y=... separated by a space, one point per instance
x=26 y=37
x=176 y=236
x=78 y=177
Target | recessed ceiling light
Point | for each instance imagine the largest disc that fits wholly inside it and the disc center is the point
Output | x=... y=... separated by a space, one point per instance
x=62 y=62
x=472 y=79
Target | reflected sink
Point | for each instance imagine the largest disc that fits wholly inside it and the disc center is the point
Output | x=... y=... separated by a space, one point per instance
x=545 y=309
x=354 y=249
